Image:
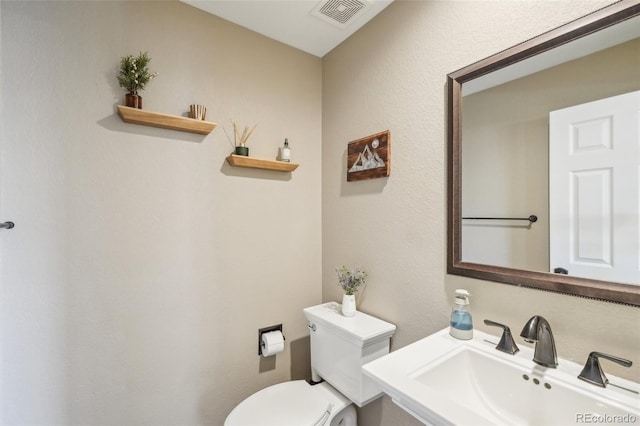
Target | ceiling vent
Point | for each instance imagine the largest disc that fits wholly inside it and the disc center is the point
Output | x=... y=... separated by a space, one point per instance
x=340 y=12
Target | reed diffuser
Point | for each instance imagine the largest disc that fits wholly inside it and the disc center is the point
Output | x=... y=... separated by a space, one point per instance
x=240 y=139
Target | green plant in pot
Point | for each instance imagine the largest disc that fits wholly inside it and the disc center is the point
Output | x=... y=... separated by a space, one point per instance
x=350 y=279
x=133 y=76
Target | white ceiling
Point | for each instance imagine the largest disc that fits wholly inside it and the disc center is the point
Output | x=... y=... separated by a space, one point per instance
x=297 y=23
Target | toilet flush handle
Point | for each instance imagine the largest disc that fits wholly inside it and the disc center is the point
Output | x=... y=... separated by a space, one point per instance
x=311 y=326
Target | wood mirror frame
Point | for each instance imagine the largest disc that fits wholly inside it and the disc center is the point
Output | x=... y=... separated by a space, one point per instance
x=603 y=290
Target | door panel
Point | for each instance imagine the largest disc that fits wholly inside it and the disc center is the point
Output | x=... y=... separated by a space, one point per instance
x=594 y=202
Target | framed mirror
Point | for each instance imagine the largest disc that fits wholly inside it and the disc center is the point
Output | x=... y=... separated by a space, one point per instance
x=530 y=202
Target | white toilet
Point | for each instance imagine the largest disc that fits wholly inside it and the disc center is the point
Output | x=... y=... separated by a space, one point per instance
x=339 y=347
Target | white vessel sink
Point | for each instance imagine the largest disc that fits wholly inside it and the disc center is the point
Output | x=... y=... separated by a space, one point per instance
x=444 y=381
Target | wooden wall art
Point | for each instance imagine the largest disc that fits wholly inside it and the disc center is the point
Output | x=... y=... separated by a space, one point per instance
x=369 y=157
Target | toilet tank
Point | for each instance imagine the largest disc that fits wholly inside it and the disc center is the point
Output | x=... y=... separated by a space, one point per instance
x=341 y=345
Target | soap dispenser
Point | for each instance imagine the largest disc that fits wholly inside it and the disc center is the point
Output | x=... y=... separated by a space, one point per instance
x=461 y=325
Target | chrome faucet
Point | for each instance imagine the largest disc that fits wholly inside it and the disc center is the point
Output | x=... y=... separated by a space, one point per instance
x=538 y=330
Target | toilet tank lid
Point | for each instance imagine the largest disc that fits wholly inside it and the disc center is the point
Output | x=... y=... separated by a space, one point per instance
x=361 y=327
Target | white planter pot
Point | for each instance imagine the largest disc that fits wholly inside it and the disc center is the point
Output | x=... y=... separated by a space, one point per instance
x=348 y=305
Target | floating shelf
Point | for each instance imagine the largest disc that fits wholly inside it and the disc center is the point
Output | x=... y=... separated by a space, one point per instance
x=256 y=163
x=165 y=121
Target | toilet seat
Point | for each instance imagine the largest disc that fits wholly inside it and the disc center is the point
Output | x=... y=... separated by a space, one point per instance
x=294 y=403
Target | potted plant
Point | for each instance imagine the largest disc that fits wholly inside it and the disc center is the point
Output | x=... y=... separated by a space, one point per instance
x=134 y=76
x=350 y=279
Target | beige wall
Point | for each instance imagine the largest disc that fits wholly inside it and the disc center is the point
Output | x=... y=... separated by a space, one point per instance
x=392 y=75
x=142 y=265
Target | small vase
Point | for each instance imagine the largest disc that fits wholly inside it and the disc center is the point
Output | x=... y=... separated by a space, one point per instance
x=133 y=100
x=348 y=305
x=242 y=150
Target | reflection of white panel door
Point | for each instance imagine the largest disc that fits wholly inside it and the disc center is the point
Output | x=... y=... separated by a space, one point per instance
x=594 y=189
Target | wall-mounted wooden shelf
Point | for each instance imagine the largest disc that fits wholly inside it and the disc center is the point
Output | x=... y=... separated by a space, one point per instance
x=256 y=163
x=165 y=121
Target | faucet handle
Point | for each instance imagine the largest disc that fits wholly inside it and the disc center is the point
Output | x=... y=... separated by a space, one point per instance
x=592 y=372
x=506 y=344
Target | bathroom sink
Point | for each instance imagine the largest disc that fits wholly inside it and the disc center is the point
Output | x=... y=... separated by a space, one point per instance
x=442 y=380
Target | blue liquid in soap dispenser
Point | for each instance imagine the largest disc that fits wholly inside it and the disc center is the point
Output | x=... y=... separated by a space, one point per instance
x=461 y=324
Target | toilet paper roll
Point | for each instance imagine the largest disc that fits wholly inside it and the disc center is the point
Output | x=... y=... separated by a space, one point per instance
x=272 y=343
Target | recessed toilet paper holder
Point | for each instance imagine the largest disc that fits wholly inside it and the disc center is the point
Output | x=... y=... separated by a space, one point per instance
x=267 y=330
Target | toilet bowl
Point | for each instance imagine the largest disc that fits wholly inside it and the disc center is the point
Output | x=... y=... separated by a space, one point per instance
x=295 y=403
x=339 y=347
